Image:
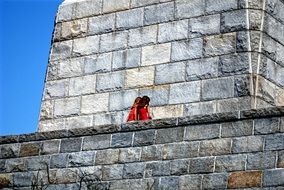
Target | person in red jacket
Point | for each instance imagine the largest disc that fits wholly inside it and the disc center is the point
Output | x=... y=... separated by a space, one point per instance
x=143 y=109
x=133 y=115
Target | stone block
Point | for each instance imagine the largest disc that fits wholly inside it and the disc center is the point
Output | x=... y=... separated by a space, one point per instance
x=65 y=12
x=233 y=21
x=233 y=104
x=112 y=172
x=243 y=85
x=118 y=184
x=129 y=154
x=50 y=147
x=30 y=149
x=143 y=36
x=82 y=85
x=115 y=81
x=190 y=182
x=205 y=25
x=266 y=125
x=176 y=150
x=86 y=46
x=37 y=163
x=200 y=108
x=61 y=50
x=85 y=158
x=121 y=139
x=51 y=125
x=230 y=163
x=255 y=19
x=179 y=167
x=87 y=8
x=170 y=73
x=167 y=111
x=46 y=111
x=185 y=92
x=201 y=165
x=150 y=153
x=101 y=24
x=274 y=142
x=217 y=88
x=95 y=103
x=141 y=184
x=273 y=177
x=245 y=179
x=159 y=95
x=141 y=3
x=175 y=30
x=280 y=159
x=199 y=132
x=70 y=145
x=126 y=58
x=215 y=181
x=58 y=161
x=129 y=19
x=202 y=68
x=114 y=5
x=169 y=135
x=57 y=32
x=96 y=142
x=170 y=183
x=72 y=29
x=261 y=160
x=133 y=170
x=67 y=106
x=220 y=44
x=113 y=41
x=56 y=89
x=142 y=138
x=234 y=64
x=13 y=165
x=79 y=122
x=213 y=6
x=21 y=179
x=71 y=67
x=52 y=70
x=247 y=144
x=98 y=63
x=156 y=54
x=239 y=128
x=197 y=8
x=159 y=13
x=64 y=175
x=108 y=118
x=190 y=49
x=110 y=154
x=139 y=77
x=215 y=147
x=159 y=168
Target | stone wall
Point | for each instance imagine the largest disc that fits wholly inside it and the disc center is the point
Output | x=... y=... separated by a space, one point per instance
x=189 y=56
x=241 y=149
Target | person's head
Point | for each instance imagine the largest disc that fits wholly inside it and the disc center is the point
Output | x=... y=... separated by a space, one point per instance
x=137 y=100
x=144 y=101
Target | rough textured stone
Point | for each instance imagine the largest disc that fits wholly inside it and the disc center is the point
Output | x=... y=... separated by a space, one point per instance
x=280 y=160
x=115 y=81
x=261 y=161
x=198 y=132
x=143 y=36
x=50 y=147
x=81 y=159
x=113 y=41
x=71 y=67
x=247 y=144
x=113 y=5
x=233 y=21
x=169 y=135
x=141 y=184
x=176 y=30
x=76 y=28
x=139 y=3
x=129 y=19
x=127 y=58
x=85 y=46
x=82 y=85
x=133 y=170
x=176 y=150
x=9 y=150
x=30 y=149
x=274 y=142
x=215 y=147
x=266 y=125
x=67 y=106
x=220 y=44
x=96 y=142
x=79 y=122
x=51 y=125
x=190 y=49
x=61 y=50
x=170 y=183
x=139 y=77
x=143 y=138
x=110 y=154
x=230 y=163
x=239 y=128
x=58 y=161
x=70 y=145
x=98 y=63
x=214 y=181
x=273 y=177
x=46 y=111
x=22 y=179
x=153 y=152
x=206 y=25
x=200 y=108
x=167 y=111
x=190 y=182
x=154 y=169
x=185 y=92
x=156 y=54
x=232 y=104
x=65 y=12
x=158 y=95
x=179 y=167
x=234 y=64
x=170 y=73
x=13 y=165
x=213 y=6
x=159 y=13
x=245 y=179
x=95 y=103
x=87 y=8
x=37 y=163
x=197 y=8
x=108 y=118
x=121 y=139
x=56 y=89
x=64 y=175
x=101 y=24
x=129 y=155
x=112 y=172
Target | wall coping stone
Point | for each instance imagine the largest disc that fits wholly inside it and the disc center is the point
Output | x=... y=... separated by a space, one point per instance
x=151 y=124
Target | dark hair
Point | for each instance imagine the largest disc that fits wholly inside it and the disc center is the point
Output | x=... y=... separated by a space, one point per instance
x=137 y=100
x=144 y=101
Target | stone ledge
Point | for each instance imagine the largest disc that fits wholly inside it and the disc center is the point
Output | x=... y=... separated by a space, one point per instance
x=152 y=124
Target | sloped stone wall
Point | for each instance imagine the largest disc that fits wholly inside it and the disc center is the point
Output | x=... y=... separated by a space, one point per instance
x=241 y=149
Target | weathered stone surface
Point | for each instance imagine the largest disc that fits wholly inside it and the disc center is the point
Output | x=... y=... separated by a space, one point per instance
x=112 y=172
x=121 y=139
x=230 y=163
x=179 y=167
x=115 y=81
x=197 y=8
x=113 y=5
x=141 y=184
x=22 y=179
x=154 y=169
x=98 y=63
x=86 y=46
x=190 y=182
x=5 y=181
x=170 y=73
x=96 y=142
x=214 y=181
x=266 y=125
x=176 y=30
x=118 y=184
x=215 y=147
x=108 y=118
x=261 y=161
x=198 y=132
x=70 y=67
x=206 y=25
x=273 y=177
x=185 y=92
x=67 y=106
x=170 y=183
x=153 y=152
x=51 y=125
x=200 y=108
x=217 y=88
x=37 y=163
x=65 y=12
x=280 y=160
x=233 y=104
x=61 y=50
x=243 y=85
x=190 y=49
x=177 y=150
x=274 y=142
x=245 y=179
x=71 y=145
x=220 y=44
x=64 y=175
x=142 y=138
x=143 y=36
x=81 y=159
x=247 y=144
x=46 y=111
x=76 y=28
x=169 y=135
x=156 y=54
x=87 y=8
x=201 y=165
x=127 y=58
x=101 y=24
x=233 y=21
x=158 y=95
x=113 y=41
x=95 y=103
x=213 y=6
x=82 y=85
x=239 y=128
x=50 y=147
x=234 y=64
x=55 y=89
x=58 y=161
x=110 y=154
x=139 y=77
x=13 y=165
x=167 y=111
x=159 y=13
x=139 y=3
x=129 y=19
x=30 y=149
x=133 y=170
x=129 y=154
x=79 y=122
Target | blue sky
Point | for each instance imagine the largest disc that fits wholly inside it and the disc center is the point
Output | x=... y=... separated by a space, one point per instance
x=25 y=36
